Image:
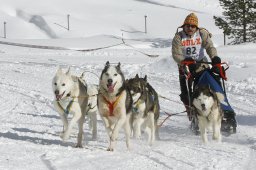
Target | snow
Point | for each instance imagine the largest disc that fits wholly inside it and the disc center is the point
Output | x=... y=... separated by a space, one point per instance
x=30 y=127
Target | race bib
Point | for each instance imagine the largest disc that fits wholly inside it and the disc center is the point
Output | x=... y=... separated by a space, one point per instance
x=192 y=46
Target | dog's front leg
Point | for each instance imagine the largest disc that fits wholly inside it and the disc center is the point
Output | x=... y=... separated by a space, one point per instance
x=107 y=125
x=216 y=130
x=120 y=122
x=137 y=127
x=76 y=116
x=202 y=126
x=62 y=114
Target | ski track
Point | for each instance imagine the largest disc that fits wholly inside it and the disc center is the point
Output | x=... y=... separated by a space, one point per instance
x=30 y=118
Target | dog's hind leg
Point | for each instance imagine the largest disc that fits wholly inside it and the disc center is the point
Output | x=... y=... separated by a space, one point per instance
x=127 y=130
x=151 y=125
x=93 y=120
x=80 y=132
x=157 y=136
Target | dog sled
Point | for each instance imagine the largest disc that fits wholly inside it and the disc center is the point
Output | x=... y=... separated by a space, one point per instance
x=214 y=77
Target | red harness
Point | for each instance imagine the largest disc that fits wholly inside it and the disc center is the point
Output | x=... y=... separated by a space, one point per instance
x=112 y=105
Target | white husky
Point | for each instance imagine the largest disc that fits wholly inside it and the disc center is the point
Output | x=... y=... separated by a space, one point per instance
x=114 y=103
x=71 y=96
x=209 y=112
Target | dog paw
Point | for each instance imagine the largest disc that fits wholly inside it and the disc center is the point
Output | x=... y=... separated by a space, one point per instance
x=110 y=149
x=79 y=146
x=138 y=137
x=113 y=137
x=94 y=138
x=64 y=136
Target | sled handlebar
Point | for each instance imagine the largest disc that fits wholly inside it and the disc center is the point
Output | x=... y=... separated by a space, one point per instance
x=222 y=67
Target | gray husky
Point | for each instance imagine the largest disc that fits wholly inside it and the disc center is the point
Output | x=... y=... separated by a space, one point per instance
x=145 y=109
x=209 y=113
x=71 y=97
x=114 y=103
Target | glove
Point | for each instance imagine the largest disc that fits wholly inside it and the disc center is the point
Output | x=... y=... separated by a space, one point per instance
x=218 y=69
x=192 y=67
x=216 y=60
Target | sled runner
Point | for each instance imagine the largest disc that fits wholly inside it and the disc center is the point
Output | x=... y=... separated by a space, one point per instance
x=210 y=77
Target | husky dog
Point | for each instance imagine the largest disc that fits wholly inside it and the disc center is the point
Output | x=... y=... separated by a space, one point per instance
x=71 y=96
x=145 y=109
x=209 y=113
x=114 y=103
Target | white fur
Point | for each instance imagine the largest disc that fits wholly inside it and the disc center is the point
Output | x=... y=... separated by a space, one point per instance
x=120 y=119
x=210 y=117
x=66 y=83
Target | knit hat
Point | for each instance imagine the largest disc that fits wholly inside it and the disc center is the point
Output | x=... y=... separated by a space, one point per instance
x=191 y=19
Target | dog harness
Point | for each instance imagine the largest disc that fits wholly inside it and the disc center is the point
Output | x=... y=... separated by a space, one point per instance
x=67 y=109
x=112 y=105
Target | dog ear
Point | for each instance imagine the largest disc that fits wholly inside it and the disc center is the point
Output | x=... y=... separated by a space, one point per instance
x=119 y=65
x=82 y=75
x=68 y=71
x=107 y=64
x=221 y=98
x=59 y=71
x=126 y=82
x=137 y=76
x=145 y=78
x=210 y=89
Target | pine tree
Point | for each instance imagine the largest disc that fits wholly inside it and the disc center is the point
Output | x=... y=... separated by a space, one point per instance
x=239 y=21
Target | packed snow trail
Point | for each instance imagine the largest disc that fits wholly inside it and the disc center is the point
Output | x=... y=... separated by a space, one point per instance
x=29 y=132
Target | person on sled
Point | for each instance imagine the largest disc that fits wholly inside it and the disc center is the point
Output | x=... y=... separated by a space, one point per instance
x=189 y=44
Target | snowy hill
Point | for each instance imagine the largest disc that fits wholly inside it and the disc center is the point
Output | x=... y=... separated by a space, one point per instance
x=30 y=127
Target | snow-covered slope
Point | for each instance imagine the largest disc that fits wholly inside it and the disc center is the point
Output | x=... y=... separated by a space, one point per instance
x=41 y=19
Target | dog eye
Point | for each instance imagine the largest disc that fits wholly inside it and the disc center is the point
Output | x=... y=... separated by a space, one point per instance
x=115 y=74
x=55 y=84
x=107 y=74
x=63 y=84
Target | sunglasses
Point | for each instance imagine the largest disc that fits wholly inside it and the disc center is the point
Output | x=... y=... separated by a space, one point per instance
x=190 y=26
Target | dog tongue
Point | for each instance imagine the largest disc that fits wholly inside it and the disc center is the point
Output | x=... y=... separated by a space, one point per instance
x=58 y=97
x=111 y=88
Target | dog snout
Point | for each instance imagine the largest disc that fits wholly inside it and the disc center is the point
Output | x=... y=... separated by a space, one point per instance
x=110 y=81
x=203 y=106
x=57 y=92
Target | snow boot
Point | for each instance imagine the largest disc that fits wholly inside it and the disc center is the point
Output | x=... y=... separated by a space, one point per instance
x=229 y=123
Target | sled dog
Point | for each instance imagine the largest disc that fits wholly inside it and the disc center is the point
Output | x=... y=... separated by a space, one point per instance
x=208 y=110
x=71 y=97
x=145 y=108
x=114 y=103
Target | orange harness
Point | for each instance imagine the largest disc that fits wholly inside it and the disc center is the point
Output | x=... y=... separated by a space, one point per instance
x=112 y=105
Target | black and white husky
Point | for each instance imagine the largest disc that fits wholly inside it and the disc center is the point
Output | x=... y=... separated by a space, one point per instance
x=114 y=103
x=209 y=113
x=145 y=109
x=73 y=96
